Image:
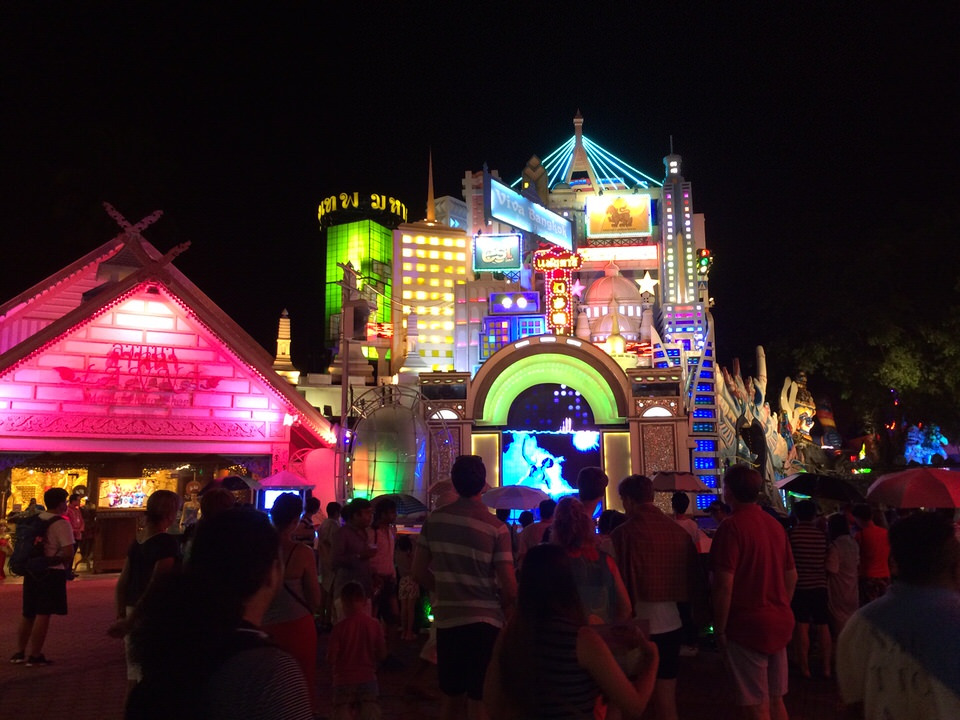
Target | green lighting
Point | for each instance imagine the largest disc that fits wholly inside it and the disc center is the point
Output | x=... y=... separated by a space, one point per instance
x=548 y=369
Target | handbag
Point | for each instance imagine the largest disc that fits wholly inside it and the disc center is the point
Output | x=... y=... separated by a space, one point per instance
x=623 y=637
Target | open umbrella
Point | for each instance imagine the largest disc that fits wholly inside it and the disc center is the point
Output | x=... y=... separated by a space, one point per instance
x=514 y=497
x=917 y=487
x=672 y=481
x=815 y=485
x=406 y=504
x=239 y=482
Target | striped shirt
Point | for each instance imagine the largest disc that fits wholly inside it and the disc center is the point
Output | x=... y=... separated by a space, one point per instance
x=465 y=543
x=809 y=545
x=563 y=688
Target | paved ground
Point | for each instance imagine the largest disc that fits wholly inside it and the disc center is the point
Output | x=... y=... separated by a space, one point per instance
x=87 y=680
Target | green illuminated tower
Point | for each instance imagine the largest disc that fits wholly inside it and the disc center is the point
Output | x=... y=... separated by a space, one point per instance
x=359 y=231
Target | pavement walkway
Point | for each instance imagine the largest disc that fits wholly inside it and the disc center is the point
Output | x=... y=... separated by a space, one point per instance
x=87 y=680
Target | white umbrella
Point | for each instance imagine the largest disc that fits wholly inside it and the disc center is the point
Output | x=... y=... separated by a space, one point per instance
x=514 y=497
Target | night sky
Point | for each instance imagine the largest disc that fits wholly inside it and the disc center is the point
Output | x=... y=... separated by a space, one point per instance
x=801 y=132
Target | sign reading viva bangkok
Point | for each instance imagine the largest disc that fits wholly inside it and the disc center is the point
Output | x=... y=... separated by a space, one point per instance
x=510 y=207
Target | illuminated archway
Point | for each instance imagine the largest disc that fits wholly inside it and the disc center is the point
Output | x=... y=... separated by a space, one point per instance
x=549 y=359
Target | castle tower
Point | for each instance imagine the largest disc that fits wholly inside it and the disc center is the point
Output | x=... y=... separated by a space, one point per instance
x=282 y=363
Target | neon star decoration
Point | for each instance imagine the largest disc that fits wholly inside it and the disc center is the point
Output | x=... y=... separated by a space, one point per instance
x=577 y=288
x=646 y=283
x=557 y=266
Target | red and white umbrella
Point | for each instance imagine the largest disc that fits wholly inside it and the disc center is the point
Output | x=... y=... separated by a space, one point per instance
x=917 y=487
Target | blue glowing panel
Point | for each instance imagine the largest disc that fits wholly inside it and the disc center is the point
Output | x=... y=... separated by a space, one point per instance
x=509 y=207
x=514 y=303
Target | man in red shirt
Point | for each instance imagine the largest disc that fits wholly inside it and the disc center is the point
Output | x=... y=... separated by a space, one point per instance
x=753 y=581
x=874 y=554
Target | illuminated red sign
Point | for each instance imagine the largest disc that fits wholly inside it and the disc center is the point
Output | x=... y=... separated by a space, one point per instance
x=557 y=266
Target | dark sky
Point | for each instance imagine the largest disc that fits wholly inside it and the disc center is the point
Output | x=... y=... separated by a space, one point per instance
x=800 y=130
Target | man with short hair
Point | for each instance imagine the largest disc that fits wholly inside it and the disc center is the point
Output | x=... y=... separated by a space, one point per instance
x=465 y=560
x=658 y=562
x=533 y=534
x=45 y=592
x=897 y=656
x=809 y=604
x=753 y=581
x=592 y=488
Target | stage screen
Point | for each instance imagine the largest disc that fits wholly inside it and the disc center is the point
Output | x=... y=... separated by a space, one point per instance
x=548 y=461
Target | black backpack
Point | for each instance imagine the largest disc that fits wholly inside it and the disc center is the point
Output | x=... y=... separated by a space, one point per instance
x=28 y=545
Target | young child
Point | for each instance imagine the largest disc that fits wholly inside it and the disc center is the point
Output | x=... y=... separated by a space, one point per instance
x=357 y=646
x=409 y=588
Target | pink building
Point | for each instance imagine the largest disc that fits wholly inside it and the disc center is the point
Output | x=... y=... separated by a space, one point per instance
x=119 y=376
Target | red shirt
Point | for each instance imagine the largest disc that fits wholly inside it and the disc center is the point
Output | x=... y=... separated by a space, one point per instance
x=355 y=643
x=755 y=549
x=874 y=551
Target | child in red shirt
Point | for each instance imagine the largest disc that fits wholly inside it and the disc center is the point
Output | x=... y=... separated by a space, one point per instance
x=357 y=646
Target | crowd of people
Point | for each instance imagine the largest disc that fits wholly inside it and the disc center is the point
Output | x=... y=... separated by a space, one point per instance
x=582 y=612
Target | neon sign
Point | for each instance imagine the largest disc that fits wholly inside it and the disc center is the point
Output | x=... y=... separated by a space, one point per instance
x=496 y=253
x=625 y=215
x=557 y=266
x=354 y=201
x=503 y=204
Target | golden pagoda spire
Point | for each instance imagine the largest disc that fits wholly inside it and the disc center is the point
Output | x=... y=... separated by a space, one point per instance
x=431 y=204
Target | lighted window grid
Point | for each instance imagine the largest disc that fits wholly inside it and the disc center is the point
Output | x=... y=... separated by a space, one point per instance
x=496 y=334
x=706 y=446
x=704 y=427
x=704 y=463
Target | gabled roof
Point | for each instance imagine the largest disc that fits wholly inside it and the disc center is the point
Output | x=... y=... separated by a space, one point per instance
x=50 y=310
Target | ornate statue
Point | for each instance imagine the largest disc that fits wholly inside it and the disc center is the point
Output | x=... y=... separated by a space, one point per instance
x=744 y=411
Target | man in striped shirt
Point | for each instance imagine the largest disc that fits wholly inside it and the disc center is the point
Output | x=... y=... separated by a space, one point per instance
x=465 y=559
x=809 y=604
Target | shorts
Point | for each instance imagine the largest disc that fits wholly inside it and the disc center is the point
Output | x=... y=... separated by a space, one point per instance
x=810 y=606
x=409 y=588
x=365 y=695
x=463 y=653
x=134 y=671
x=757 y=677
x=46 y=595
x=668 y=647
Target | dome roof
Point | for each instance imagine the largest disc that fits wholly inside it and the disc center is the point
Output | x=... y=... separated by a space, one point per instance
x=612 y=288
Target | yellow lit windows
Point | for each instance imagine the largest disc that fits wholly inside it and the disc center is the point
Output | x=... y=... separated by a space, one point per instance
x=434 y=255
x=421 y=253
x=434 y=268
x=420 y=295
x=448 y=283
x=421 y=267
x=421 y=281
x=407 y=294
x=434 y=282
x=407 y=267
x=408 y=252
x=407 y=279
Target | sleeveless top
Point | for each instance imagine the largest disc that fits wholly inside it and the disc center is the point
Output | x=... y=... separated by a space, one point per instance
x=564 y=690
x=285 y=606
x=595 y=582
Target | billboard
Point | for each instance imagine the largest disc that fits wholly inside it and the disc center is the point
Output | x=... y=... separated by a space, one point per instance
x=512 y=208
x=614 y=215
x=496 y=253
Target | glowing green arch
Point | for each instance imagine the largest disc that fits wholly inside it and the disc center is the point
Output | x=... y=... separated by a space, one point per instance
x=541 y=369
